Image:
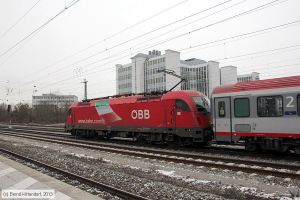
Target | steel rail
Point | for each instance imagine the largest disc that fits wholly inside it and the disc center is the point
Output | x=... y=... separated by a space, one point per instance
x=177 y=154
x=196 y=160
x=110 y=189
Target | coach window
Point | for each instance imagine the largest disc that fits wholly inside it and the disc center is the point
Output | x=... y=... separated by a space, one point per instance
x=181 y=105
x=270 y=106
x=221 y=108
x=298 y=102
x=241 y=107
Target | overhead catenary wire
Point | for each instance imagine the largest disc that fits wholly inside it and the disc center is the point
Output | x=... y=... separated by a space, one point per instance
x=194 y=21
x=181 y=35
x=277 y=68
x=144 y=34
x=147 y=33
x=273 y=1
x=132 y=39
x=259 y=52
x=268 y=54
x=215 y=23
x=17 y=49
x=18 y=20
x=249 y=54
x=113 y=35
x=264 y=68
x=248 y=69
x=207 y=26
x=39 y=28
x=253 y=33
x=252 y=53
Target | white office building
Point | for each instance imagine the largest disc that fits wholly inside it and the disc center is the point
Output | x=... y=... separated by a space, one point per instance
x=54 y=99
x=228 y=75
x=142 y=74
x=248 y=77
x=200 y=75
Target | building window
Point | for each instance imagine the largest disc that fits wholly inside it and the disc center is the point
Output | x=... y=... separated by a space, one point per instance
x=181 y=105
x=270 y=106
x=221 y=108
x=241 y=107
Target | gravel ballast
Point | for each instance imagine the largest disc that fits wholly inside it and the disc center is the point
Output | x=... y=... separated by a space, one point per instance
x=151 y=178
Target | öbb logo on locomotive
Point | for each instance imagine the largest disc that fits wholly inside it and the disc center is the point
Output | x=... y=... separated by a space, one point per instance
x=140 y=114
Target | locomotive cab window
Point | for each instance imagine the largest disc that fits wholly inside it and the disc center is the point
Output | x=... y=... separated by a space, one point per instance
x=270 y=106
x=298 y=104
x=202 y=103
x=241 y=107
x=181 y=105
x=221 y=108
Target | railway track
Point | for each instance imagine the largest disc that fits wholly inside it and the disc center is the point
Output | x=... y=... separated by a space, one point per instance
x=34 y=127
x=233 y=150
x=243 y=165
x=112 y=190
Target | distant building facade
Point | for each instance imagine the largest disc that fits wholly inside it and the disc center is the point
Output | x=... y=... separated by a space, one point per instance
x=200 y=75
x=228 y=75
x=142 y=74
x=254 y=76
x=54 y=99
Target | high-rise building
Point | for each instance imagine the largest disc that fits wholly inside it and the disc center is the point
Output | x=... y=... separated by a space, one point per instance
x=200 y=75
x=143 y=73
x=228 y=75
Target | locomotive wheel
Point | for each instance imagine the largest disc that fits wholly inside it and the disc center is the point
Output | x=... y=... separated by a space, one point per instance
x=284 y=148
x=73 y=132
x=177 y=142
x=297 y=150
x=141 y=140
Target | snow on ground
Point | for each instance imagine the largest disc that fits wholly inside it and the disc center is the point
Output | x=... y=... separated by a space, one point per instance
x=264 y=187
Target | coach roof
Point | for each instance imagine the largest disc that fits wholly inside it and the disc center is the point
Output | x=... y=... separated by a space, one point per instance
x=292 y=81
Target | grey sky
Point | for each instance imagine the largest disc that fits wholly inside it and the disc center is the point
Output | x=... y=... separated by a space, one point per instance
x=36 y=61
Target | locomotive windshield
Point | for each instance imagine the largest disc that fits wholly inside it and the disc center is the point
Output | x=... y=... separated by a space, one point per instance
x=202 y=103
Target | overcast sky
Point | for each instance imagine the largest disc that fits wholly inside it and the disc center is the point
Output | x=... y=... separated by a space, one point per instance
x=90 y=37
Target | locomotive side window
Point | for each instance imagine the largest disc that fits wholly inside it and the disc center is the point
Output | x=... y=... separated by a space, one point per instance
x=221 y=108
x=241 y=107
x=298 y=104
x=270 y=106
x=181 y=105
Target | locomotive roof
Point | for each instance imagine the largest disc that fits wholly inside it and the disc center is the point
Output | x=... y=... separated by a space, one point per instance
x=292 y=81
x=141 y=96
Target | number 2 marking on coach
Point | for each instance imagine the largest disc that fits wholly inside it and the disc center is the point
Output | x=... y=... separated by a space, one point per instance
x=290 y=103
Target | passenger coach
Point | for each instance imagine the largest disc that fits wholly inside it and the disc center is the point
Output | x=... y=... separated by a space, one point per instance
x=265 y=113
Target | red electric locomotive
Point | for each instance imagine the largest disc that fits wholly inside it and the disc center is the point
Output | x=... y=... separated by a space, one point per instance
x=181 y=117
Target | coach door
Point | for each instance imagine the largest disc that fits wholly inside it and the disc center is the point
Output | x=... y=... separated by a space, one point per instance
x=222 y=119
